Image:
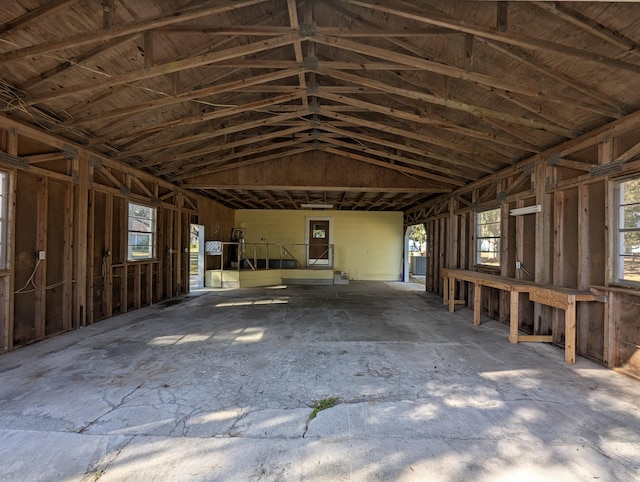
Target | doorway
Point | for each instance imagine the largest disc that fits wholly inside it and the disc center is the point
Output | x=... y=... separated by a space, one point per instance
x=196 y=256
x=319 y=242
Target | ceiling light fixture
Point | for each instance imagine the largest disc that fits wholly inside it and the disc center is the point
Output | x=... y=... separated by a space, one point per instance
x=526 y=210
x=317 y=206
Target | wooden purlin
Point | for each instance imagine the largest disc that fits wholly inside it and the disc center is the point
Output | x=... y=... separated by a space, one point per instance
x=89 y=38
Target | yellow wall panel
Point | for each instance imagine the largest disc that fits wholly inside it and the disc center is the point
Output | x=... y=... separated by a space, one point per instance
x=368 y=245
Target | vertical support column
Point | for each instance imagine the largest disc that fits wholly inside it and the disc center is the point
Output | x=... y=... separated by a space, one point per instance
x=452 y=242
x=477 y=297
x=107 y=257
x=9 y=285
x=584 y=265
x=542 y=237
x=91 y=241
x=81 y=229
x=519 y=239
x=67 y=275
x=504 y=254
x=178 y=244
x=558 y=262
x=137 y=286
x=41 y=246
x=514 y=319
x=570 y=331
x=610 y=354
x=431 y=256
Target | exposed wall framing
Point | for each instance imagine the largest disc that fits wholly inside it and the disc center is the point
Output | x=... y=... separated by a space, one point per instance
x=72 y=205
x=570 y=243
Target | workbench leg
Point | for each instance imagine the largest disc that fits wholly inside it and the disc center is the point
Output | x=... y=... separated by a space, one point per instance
x=513 y=318
x=570 y=332
x=477 y=303
x=452 y=294
x=445 y=291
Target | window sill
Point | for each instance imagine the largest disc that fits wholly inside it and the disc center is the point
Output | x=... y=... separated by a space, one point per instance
x=626 y=290
x=485 y=268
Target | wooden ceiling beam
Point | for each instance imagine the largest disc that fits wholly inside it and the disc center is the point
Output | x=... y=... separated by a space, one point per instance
x=448 y=70
x=591 y=26
x=217 y=114
x=75 y=61
x=446 y=102
x=163 y=69
x=407 y=11
x=259 y=160
x=87 y=38
x=400 y=147
x=274 y=31
x=177 y=158
x=272 y=120
x=192 y=95
x=48 y=8
x=196 y=166
x=289 y=188
x=523 y=57
x=292 y=8
x=402 y=133
x=425 y=166
x=486 y=136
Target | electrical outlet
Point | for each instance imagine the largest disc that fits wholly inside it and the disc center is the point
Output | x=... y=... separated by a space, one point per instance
x=41 y=255
x=518 y=265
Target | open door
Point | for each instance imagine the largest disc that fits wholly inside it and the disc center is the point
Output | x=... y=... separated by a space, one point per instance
x=196 y=257
x=319 y=242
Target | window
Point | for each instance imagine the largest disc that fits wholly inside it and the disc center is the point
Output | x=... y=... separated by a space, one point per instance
x=3 y=220
x=628 y=232
x=488 y=237
x=142 y=227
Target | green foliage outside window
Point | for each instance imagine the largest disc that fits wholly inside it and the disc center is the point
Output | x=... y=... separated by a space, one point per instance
x=488 y=237
x=628 y=253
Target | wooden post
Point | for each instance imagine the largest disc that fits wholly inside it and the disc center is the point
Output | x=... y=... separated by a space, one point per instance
x=91 y=241
x=477 y=297
x=570 y=331
x=107 y=258
x=557 y=257
x=81 y=229
x=41 y=246
x=67 y=276
x=9 y=303
x=584 y=265
x=542 y=238
x=137 y=282
x=513 y=318
x=505 y=307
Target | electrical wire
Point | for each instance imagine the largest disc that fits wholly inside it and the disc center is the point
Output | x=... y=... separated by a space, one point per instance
x=29 y=281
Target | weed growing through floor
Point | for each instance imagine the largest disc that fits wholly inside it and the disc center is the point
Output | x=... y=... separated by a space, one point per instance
x=322 y=405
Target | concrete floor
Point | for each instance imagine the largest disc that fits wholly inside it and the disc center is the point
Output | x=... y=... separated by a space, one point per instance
x=220 y=387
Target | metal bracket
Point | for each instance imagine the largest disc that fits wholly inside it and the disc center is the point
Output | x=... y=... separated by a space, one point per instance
x=553 y=159
x=70 y=152
x=606 y=169
x=16 y=161
x=529 y=169
x=308 y=29
x=310 y=63
x=95 y=162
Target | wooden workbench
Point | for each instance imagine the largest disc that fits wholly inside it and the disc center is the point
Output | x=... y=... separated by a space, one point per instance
x=555 y=296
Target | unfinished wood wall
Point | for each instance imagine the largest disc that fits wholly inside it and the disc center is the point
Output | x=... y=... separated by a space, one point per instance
x=73 y=206
x=568 y=244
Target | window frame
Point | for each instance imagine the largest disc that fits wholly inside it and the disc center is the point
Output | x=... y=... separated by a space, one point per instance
x=151 y=233
x=479 y=239
x=618 y=242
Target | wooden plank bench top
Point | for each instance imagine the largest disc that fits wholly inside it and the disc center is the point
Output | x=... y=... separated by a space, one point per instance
x=550 y=295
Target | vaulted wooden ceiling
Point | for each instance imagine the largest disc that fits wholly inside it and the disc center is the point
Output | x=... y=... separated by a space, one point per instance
x=362 y=104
